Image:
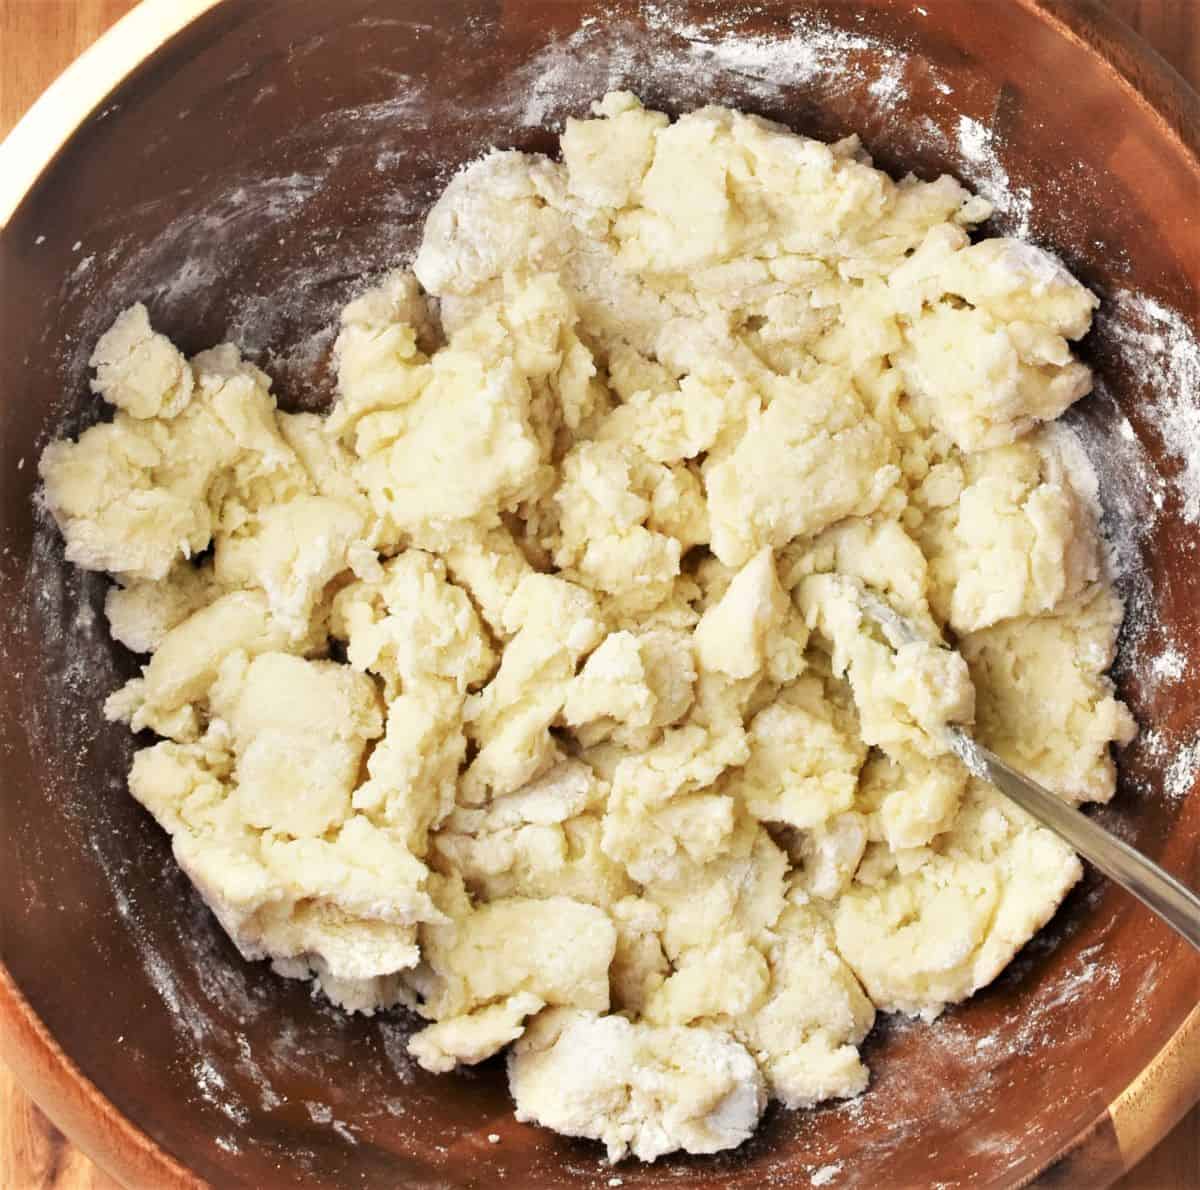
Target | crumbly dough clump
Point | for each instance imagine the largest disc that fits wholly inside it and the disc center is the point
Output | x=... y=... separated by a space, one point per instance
x=531 y=689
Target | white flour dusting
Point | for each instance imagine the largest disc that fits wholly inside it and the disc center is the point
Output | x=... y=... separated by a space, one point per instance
x=569 y=73
x=1177 y=759
x=1156 y=347
x=1165 y=352
x=810 y=49
x=322 y=1113
x=1156 y=744
x=888 y=86
x=986 y=173
x=924 y=1091
x=1182 y=771
x=1168 y=667
x=826 y=1174
x=215 y=1090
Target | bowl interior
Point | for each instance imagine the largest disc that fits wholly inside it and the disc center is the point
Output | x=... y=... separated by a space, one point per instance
x=242 y=183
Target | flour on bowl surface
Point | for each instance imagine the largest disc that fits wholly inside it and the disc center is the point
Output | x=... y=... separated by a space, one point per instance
x=529 y=688
x=980 y=153
x=826 y=1174
x=1182 y=770
x=604 y=54
x=1160 y=346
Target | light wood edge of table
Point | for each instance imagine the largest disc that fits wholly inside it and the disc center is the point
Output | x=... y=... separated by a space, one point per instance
x=55 y=116
x=76 y=1106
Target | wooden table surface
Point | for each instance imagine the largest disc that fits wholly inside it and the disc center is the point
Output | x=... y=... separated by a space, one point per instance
x=38 y=38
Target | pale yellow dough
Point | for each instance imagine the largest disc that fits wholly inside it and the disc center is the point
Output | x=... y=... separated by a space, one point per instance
x=531 y=687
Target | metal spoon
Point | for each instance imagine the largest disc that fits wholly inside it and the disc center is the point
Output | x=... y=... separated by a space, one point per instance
x=1176 y=904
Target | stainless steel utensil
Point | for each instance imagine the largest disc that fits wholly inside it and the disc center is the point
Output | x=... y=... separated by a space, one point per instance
x=1157 y=889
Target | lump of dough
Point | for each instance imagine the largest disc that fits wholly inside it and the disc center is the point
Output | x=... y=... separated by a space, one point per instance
x=490 y=567
x=686 y=215
x=234 y=404
x=911 y=800
x=877 y=552
x=742 y=633
x=133 y=496
x=630 y=686
x=741 y=891
x=727 y=978
x=326 y=465
x=566 y=790
x=553 y=623
x=638 y=1088
x=540 y=841
x=469 y=1039
x=611 y=686
x=492 y=217
x=828 y=855
x=654 y=842
x=904 y=695
x=606 y=159
x=379 y=363
x=639 y=965
x=412 y=627
x=421 y=635
x=660 y=812
x=812 y=457
x=345 y=904
x=805 y=1031
x=555 y=949
x=922 y=939
x=604 y=502
x=1017 y=542
x=988 y=370
x=722 y=184
x=668 y=426
x=140 y=612
x=537 y=860
x=805 y=755
x=291 y=551
x=186 y=663
x=118 y=505
x=351 y=899
x=466 y=448
x=138 y=370
x=299 y=729
x=1045 y=702
x=412 y=774
x=977 y=383
x=1013 y=281
x=475 y=441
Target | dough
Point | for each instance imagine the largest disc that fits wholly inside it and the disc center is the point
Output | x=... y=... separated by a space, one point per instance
x=639 y=1088
x=530 y=687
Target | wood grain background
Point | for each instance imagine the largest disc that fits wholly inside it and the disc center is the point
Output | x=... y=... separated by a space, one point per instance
x=38 y=38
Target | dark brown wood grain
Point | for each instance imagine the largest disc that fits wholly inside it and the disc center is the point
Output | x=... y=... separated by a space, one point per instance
x=38 y=38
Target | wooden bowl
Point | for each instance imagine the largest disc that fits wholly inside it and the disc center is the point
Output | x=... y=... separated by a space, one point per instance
x=240 y=175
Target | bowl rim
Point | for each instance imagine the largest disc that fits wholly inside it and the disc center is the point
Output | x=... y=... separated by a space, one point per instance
x=75 y=1105
x=33 y=143
x=1117 y=1138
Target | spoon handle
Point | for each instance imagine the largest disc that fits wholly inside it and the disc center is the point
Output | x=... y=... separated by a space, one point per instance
x=1176 y=904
